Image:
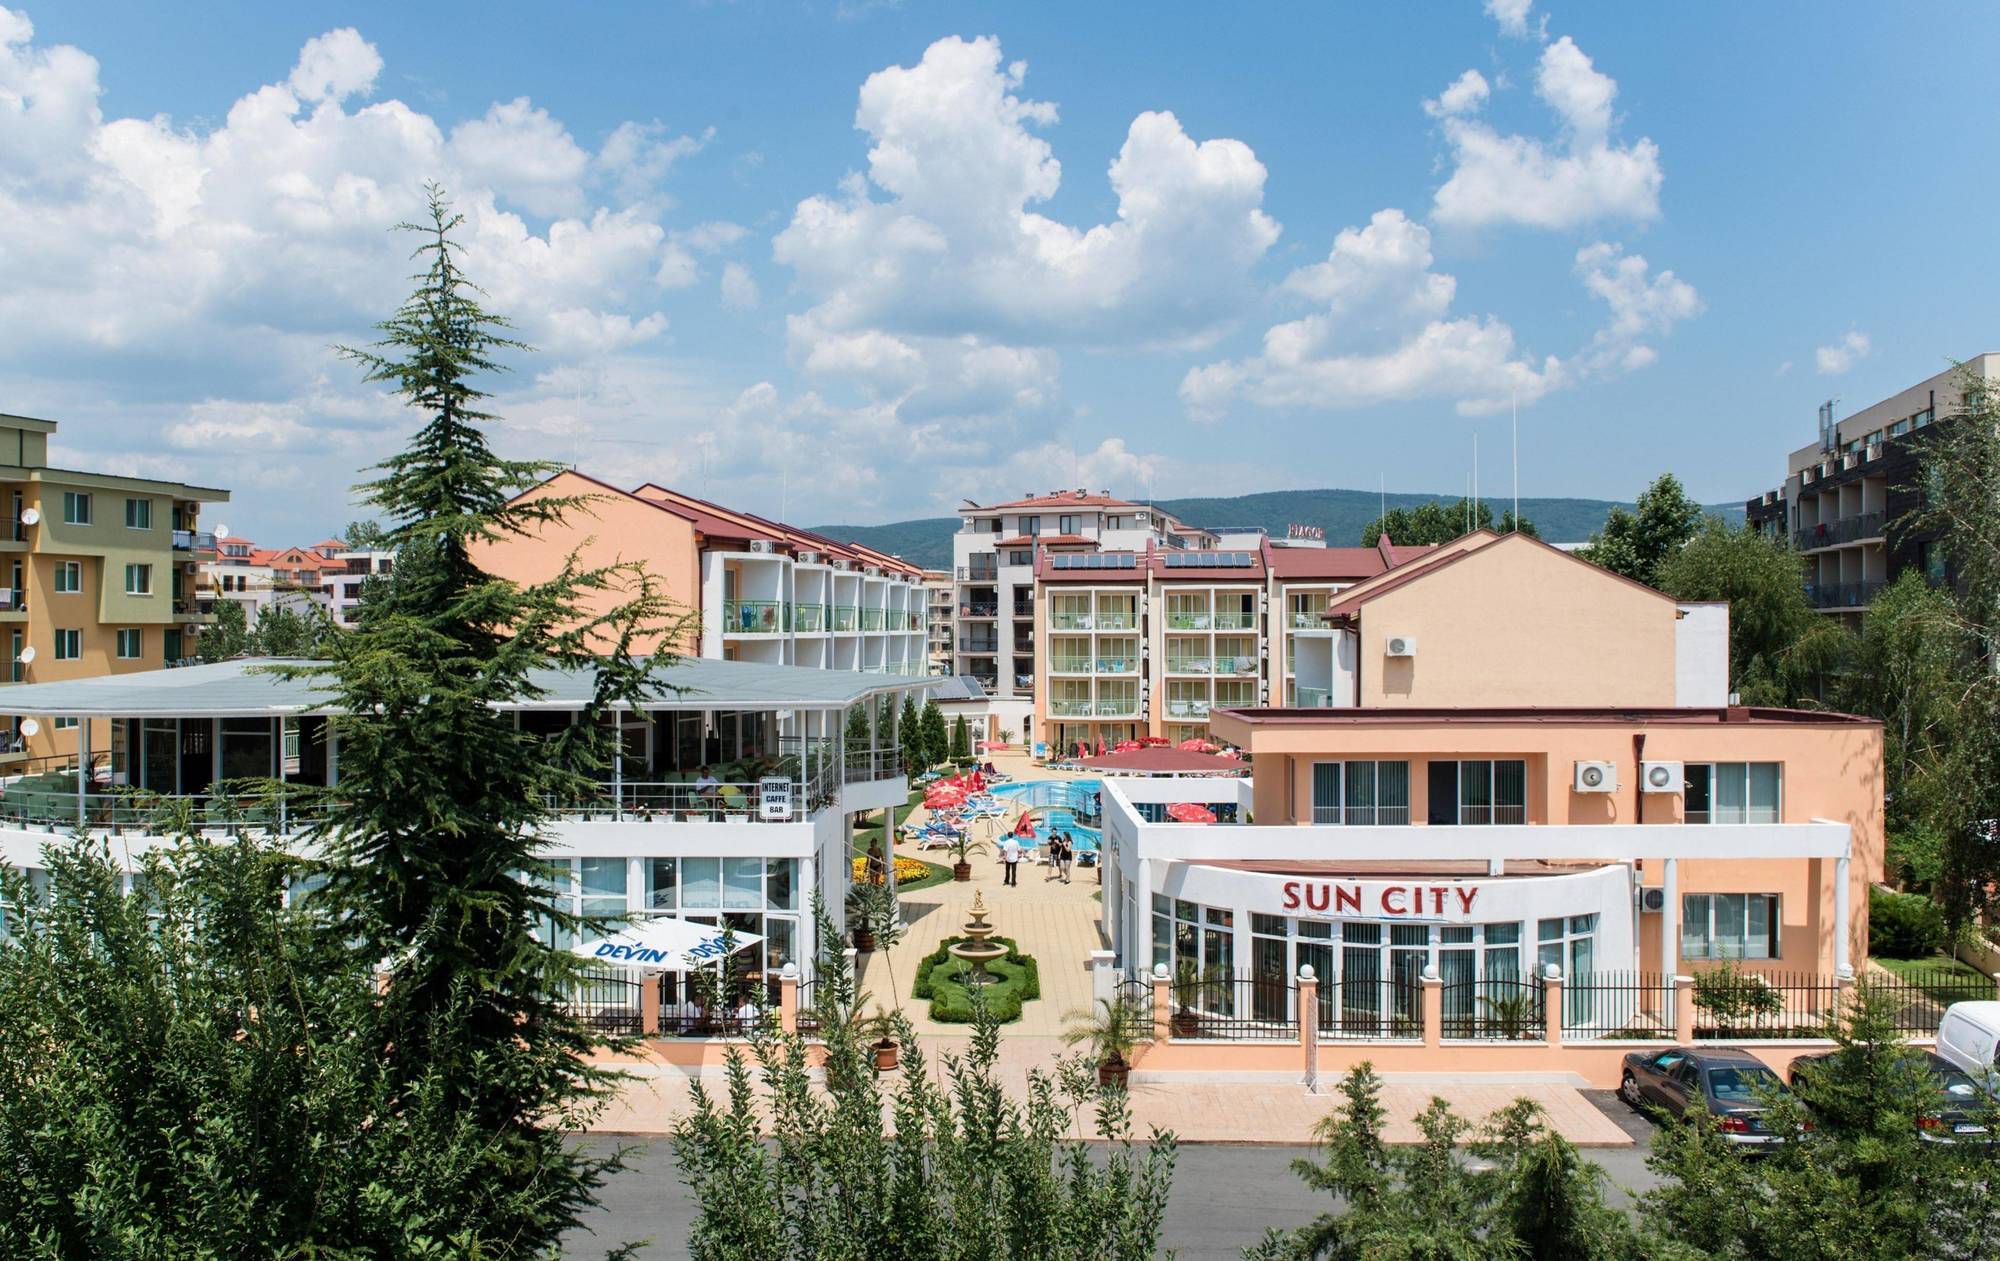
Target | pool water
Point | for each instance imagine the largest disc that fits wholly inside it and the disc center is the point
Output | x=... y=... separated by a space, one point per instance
x=1059 y=801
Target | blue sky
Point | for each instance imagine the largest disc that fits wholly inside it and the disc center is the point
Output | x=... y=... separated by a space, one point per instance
x=854 y=261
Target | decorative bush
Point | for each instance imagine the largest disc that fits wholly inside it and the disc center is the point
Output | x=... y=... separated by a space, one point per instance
x=1904 y=925
x=1018 y=979
x=1734 y=997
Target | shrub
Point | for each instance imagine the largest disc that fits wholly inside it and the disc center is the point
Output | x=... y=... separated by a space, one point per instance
x=1020 y=979
x=1904 y=925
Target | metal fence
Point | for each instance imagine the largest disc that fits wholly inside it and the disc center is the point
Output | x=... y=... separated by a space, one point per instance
x=1503 y=1009
x=1235 y=1009
x=608 y=1000
x=1371 y=1009
x=1137 y=993
x=1739 y=1003
x=1916 y=999
x=1618 y=1005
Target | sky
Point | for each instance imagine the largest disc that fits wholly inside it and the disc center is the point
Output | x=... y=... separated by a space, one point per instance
x=853 y=262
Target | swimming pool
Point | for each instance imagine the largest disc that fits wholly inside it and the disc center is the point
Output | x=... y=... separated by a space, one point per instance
x=1058 y=803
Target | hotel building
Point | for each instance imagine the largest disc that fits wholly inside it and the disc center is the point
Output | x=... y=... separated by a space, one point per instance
x=1847 y=499
x=940 y=613
x=753 y=590
x=102 y=573
x=1543 y=773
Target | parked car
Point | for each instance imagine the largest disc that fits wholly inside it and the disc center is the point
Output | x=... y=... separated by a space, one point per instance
x=1969 y=1037
x=1961 y=1118
x=1731 y=1084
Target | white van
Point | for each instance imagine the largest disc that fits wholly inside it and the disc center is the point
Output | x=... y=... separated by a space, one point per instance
x=1969 y=1036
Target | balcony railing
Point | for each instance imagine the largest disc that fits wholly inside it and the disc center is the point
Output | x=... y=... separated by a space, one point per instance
x=1235 y=620
x=1070 y=709
x=843 y=617
x=979 y=573
x=1189 y=665
x=1190 y=621
x=811 y=618
x=1236 y=665
x=1843 y=595
x=1866 y=525
x=194 y=540
x=1069 y=665
x=1314 y=698
x=872 y=619
x=756 y=617
x=1117 y=665
x=1315 y=620
x=979 y=610
x=13 y=601
x=1116 y=708
x=1187 y=709
x=1117 y=621
x=981 y=646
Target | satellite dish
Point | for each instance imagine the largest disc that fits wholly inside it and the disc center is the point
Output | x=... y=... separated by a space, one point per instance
x=220 y=529
x=28 y=655
x=29 y=727
x=31 y=516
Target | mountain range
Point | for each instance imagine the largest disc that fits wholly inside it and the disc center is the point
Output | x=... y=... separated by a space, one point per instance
x=1343 y=514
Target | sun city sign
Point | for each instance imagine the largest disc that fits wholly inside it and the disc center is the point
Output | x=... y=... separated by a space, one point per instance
x=1370 y=899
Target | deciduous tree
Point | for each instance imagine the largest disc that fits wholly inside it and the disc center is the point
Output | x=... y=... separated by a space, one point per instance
x=1639 y=542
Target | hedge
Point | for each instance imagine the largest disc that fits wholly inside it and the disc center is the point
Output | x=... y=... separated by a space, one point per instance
x=1904 y=925
x=1019 y=980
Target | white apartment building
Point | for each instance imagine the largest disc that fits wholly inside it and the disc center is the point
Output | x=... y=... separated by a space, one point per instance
x=940 y=609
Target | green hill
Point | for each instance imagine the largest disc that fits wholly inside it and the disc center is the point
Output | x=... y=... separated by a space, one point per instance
x=1342 y=513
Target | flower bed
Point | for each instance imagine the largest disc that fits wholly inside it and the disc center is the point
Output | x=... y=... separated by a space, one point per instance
x=907 y=869
x=1017 y=979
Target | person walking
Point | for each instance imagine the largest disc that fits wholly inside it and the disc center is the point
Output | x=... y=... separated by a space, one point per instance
x=1055 y=857
x=1010 y=859
x=1066 y=857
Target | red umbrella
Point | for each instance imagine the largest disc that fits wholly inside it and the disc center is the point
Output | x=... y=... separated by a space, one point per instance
x=1189 y=812
x=1127 y=746
x=1100 y=748
x=1193 y=745
x=1025 y=826
x=1154 y=742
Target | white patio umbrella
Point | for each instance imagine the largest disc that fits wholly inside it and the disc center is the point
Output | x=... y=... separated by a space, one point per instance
x=666 y=944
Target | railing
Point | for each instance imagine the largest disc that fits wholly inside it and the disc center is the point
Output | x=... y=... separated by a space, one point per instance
x=979 y=645
x=1189 y=665
x=1314 y=697
x=979 y=573
x=1917 y=999
x=865 y=765
x=1117 y=621
x=1236 y=665
x=1235 y=1009
x=1070 y=621
x=1113 y=707
x=1070 y=709
x=193 y=540
x=1069 y=665
x=1117 y=665
x=1845 y=595
x=756 y=617
x=689 y=1021
x=1866 y=525
x=843 y=617
x=983 y=609
x=663 y=802
x=1189 y=621
x=13 y=529
x=1502 y=1009
x=1235 y=621
x=608 y=1000
x=13 y=601
x=1371 y=1009
x=1617 y=1005
x=871 y=619
x=1759 y=1004
x=1309 y=621
x=44 y=803
x=1187 y=709
x=809 y=618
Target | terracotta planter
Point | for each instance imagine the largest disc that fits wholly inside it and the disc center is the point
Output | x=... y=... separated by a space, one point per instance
x=864 y=940
x=1113 y=1073
x=887 y=1056
x=1186 y=1024
x=961 y=872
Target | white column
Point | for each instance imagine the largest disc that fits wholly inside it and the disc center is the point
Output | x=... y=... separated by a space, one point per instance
x=1139 y=951
x=1670 y=923
x=82 y=769
x=1842 y=966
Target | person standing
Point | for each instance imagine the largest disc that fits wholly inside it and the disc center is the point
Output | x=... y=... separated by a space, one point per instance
x=1010 y=859
x=1065 y=856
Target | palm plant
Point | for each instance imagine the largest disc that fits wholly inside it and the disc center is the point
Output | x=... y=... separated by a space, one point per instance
x=1111 y=1029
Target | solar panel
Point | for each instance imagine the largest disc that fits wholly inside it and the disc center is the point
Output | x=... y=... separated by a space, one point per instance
x=1209 y=560
x=1094 y=560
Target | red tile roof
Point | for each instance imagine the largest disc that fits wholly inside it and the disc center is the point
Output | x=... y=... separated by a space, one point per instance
x=1349 y=564
x=1061 y=499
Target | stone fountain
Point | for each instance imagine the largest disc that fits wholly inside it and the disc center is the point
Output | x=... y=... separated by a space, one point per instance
x=978 y=952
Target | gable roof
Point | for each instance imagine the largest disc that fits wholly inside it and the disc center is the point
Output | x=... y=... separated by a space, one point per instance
x=1352 y=600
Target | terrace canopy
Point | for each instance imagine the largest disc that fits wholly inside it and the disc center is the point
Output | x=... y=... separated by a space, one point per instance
x=1158 y=761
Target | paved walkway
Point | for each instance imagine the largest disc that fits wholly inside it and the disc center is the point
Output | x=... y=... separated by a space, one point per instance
x=1195 y=1111
x=1054 y=922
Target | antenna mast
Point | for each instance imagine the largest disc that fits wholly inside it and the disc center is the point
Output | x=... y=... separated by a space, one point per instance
x=1515 y=396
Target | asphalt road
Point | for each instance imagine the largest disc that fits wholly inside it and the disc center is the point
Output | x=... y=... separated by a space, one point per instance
x=1224 y=1196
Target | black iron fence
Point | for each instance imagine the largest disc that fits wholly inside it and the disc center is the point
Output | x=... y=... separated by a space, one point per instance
x=1618 y=1005
x=1504 y=1009
x=1734 y=1003
x=609 y=1000
x=1916 y=998
x=1371 y=1009
x=1235 y=1009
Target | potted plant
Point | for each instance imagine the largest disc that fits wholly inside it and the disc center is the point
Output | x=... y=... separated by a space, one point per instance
x=861 y=924
x=1111 y=1029
x=881 y=1027
x=1188 y=988
x=963 y=847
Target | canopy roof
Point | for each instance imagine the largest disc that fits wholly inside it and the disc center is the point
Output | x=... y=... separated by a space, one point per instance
x=253 y=688
x=1156 y=761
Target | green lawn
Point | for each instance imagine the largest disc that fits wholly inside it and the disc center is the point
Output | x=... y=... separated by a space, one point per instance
x=1955 y=977
x=936 y=875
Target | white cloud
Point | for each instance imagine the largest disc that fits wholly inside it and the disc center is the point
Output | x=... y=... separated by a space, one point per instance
x=636 y=157
x=936 y=254
x=1642 y=307
x=1843 y=353
x=1512 y=15
x=521 y=149
x=1582 y=177
x=1382 y=267
x=1465 y=95
x=739 y=287
x=335 y=66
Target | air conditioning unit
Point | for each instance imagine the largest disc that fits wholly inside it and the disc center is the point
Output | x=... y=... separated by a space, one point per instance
x=1660 y=777
x=764 y=546
x=1651 y=898
x=774 y=798
x=842 y=565
x=808 y=558
x=193 y=567
x=1401 y=646
x=1596 y=777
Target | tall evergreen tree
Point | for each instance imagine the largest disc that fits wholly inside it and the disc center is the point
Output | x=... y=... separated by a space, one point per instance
x=433 y=831
x=910 y=736
x=937 y=745
x=961 y=740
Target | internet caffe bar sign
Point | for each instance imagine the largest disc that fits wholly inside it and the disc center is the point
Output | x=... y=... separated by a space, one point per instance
x=1372 y=899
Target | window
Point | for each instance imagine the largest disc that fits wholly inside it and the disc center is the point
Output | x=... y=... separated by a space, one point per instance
x=1020 y=556
x=64 y=724
x=138 y=514
x=1031 y=526
x=1729 y=926
x=1733 y=792
x=69 y=577
x=138 y=580
x=76 y=508
x=69 y=645
x=131 y=644
x=1361 y=793
x=1068 y=525
x=1478 y=793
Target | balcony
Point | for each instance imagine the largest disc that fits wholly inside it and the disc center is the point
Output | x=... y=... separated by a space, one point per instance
x=1236 y=665
x=1069 y=665
x=1189 y=665
x=873 y=619
x=1314 y=698
x=756 y=617
x=811 y=618
x=1843 y=595
x=844 y=617
x=979 y=610
x=1117 y=621
x=1855 y=529
x=13 y=601
x=1070 y=621
x=1117 y=665
x=1237 y=619
x=1071 y=709
x=1190 y=621
x=1113 y=707
x=194 y=541
x=1187 y=709
x=983 y=647
x=1315 y=620
x=13 y=534
x=979 y=573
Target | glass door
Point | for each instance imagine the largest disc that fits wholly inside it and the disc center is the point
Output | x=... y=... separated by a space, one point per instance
x=1361 y=978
